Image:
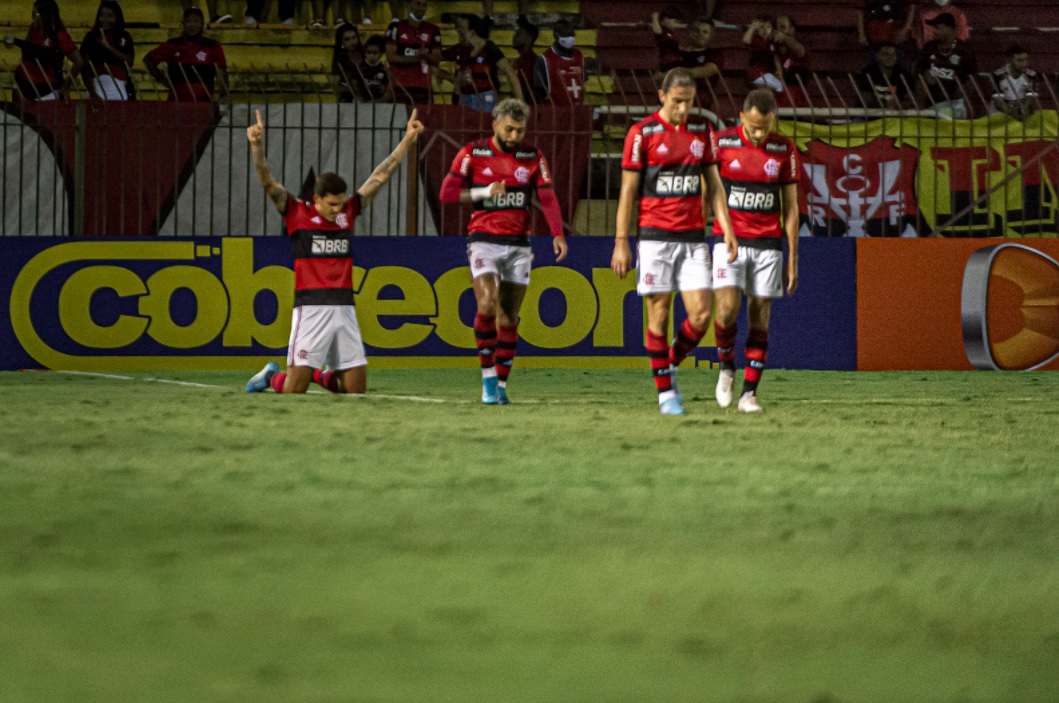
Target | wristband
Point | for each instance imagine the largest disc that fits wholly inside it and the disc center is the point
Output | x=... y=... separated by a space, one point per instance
x=479 y=194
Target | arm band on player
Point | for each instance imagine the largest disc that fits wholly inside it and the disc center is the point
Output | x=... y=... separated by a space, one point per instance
x=479 y=194
x=550 y=206
x=450 y=189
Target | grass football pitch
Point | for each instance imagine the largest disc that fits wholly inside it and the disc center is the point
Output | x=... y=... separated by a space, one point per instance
x=870 y=537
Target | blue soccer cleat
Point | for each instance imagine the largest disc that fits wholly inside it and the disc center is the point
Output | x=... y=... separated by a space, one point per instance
x=501 y=396
x=676 y=386
x=672 y=406
x=259 y=381
x=490 y=396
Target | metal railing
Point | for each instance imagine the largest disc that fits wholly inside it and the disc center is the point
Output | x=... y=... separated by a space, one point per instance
x=184 y=168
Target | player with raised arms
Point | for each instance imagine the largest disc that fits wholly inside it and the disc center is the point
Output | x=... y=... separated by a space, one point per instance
x=760 y=172
x=324 y=329
x=498 y=176
x=665 y=166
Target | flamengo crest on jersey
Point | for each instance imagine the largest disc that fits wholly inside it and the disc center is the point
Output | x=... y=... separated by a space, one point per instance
x=671 y=161
x=323 y=252
x=522 y=172
x=753 y=178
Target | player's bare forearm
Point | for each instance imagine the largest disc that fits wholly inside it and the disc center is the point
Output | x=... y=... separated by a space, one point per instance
x=273 y=188
x=382 y=173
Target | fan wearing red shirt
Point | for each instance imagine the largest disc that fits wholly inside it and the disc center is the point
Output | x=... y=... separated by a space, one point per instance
x=665 y=167
x=498 y=176
x=413 y=48
x=759 y=171
x=195 y=64
x=324 y=329
x=44 y=51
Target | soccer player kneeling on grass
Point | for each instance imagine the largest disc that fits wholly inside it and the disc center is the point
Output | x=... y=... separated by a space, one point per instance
x=759 y=171
x=324 y=329
x=666 y=166
x=498 y=176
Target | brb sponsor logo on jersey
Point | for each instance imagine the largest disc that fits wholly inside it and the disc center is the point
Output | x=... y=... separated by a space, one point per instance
x=744 y=198
x=326 y=246
x=512 y=200
x=675 y=184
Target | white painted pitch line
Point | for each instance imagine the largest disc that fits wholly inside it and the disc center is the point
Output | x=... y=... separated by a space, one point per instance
x=190 y=384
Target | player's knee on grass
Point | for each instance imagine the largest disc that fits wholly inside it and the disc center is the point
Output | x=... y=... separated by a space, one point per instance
x=298 y=379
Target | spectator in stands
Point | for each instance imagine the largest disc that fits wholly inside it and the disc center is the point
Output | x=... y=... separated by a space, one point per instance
x=344 y=11
x=945 y=68
x=346 y=56
x=885 y=83
x=1016 y=89
x=928 y=13
x=195 y=65
x=792 y=63
x=665 y=25
x=45 y=49
x=108 y=52
x=703 y=63
x=761 y=67
x=413 y=50
x=211 y=5
x=560 y=71
x=885 y=22
x=255 y=11
x=373 y=84
x=478 y=63
x=523 y=41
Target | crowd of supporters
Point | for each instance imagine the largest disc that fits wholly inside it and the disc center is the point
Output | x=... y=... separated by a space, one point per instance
x=915 y=56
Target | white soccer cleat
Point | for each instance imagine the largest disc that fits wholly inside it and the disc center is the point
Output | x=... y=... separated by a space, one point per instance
x=725 y=385
x=748 y=403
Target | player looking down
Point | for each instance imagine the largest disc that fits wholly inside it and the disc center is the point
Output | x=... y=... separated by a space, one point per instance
x=324 y=329
x=759 y=170
x=498 y=176
x=666 y=167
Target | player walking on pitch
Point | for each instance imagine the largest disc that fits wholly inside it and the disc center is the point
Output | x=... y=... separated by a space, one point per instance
x=666 y=167
x=324 y=329
x=760 y=174
x=498 y=176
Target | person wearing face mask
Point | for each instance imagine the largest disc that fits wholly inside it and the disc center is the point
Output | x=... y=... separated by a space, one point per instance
x=560 y=71
x=194 y=63
x=945 y=69
x=930 y=11
x=413 y=49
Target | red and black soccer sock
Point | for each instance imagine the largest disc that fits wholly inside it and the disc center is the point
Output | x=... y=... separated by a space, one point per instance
x=485 y=339
x=277 y=381
x=328 y=379
x=507 y=340
x=686 y=340
x=658 y=355
x=725 y=336
x=757 y=350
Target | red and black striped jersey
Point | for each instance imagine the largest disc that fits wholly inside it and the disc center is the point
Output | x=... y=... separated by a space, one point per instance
x=502 y=218
x=407 y=39
x=323 y=252
x=753 y=178
x=671 y=161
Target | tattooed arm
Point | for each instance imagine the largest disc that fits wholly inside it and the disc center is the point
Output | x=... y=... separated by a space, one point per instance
x=255 y=133
x=384 y=170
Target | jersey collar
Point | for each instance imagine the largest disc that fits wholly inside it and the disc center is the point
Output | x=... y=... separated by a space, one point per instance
x=683 y=127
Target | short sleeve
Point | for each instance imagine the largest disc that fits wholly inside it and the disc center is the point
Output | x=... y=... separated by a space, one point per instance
x=714 y=151
x=353 y=206
x=218 y=56
x=391 y=33
x=436 y=39
x=708 y=158
x=162 y=53
x=632 y=157
x=461 y=165
x=290 y=216
x=494 y=55
x=66 y=44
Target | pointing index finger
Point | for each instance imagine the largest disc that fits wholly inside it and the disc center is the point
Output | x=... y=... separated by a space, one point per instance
x=259 y=122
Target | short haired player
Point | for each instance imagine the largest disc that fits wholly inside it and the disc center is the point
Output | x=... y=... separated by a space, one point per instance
x=324 y=329
x=760 y=172
x=666 y=167
x=498 y=176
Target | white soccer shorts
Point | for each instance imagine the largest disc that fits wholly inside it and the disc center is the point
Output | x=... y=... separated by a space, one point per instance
x=667 y=267
x=512 y=264
x=759 y=272
x=325 y=335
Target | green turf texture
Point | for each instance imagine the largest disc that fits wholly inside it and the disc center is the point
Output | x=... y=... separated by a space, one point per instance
x=870 y=537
